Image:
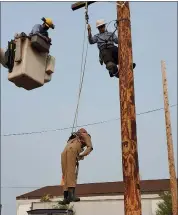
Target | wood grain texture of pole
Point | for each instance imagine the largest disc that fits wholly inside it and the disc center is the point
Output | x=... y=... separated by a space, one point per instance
x=132 y=195
x=172 y=171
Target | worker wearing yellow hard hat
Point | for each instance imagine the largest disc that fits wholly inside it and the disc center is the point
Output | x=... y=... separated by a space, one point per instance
x=48 y=22
x=42 y=29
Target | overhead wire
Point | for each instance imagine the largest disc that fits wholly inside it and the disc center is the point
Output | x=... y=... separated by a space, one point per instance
x=84 y=125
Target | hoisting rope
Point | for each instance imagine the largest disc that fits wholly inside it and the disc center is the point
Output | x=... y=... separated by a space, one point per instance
x=82 y=73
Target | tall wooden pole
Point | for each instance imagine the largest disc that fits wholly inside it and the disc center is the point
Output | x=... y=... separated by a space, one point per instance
x=132 y=195
x=172 y=172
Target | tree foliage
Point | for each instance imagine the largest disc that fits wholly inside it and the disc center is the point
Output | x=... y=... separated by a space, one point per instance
x=65 y=207
x=45 y=198
x=165 y=206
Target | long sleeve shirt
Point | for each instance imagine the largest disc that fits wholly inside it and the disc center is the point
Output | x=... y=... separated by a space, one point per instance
x=87 y=139
x=101 y=39
x=39 y=29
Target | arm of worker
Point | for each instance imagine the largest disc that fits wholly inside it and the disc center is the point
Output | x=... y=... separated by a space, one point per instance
x=81 y=157
x=87 y=139
x=91 y=39
x=35 y=29
x=115 y=39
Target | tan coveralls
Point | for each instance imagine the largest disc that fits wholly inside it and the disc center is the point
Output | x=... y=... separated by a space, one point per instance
x=70 y=156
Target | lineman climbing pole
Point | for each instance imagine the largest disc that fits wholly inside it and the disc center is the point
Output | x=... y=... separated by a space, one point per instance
x=172 y=172
x=132 y=195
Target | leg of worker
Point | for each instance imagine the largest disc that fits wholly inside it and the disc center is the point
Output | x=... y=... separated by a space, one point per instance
x=64 y=166
x=109 y=61
x=71 y=175
x=76 y=174
x=115 y=56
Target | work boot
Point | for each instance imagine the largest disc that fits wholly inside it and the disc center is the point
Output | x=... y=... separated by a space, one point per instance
x=65 y=201
x=76 y=199
x=113 y=70
x=65 y=194
x=72 y=197
x=110 y=66
x=116 y=71
x=110 y=73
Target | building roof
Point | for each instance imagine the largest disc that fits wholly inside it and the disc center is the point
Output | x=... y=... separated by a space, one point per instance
x=100 y=189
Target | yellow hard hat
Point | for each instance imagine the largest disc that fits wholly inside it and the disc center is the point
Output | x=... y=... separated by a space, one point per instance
x=48 y=22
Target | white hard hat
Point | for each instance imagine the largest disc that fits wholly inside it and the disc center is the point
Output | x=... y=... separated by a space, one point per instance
x=100 y=22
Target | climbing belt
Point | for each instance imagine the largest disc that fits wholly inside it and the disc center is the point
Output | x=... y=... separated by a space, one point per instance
x=82 y=73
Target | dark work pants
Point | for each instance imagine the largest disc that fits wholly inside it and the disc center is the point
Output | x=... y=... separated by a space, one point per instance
x=110 y=55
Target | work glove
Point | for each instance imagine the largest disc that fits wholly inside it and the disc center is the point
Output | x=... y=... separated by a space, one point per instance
x=89 y=28
x=80 y=157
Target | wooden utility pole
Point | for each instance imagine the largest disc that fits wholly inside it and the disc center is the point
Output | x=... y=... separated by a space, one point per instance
x=172 y=172
x=132 y=195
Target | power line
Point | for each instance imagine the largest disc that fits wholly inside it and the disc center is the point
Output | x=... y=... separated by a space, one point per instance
x=85 y=125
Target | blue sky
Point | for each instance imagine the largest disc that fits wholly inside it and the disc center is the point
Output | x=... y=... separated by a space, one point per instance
x=34 y=160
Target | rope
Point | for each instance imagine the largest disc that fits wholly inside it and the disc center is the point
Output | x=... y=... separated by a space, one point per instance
x=82 y=73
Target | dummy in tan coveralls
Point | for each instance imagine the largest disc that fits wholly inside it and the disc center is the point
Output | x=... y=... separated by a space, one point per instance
x=69 y=157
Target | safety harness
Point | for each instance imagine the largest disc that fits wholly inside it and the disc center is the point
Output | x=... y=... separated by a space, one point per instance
x=106 y=42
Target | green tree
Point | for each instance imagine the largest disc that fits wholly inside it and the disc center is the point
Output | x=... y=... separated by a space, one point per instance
x=65 y=207
x=165 y=206
x=45 y=198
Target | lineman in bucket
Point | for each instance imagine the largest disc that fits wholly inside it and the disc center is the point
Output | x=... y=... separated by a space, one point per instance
x=74 y=152
x=42 y=29
x=108 y=52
